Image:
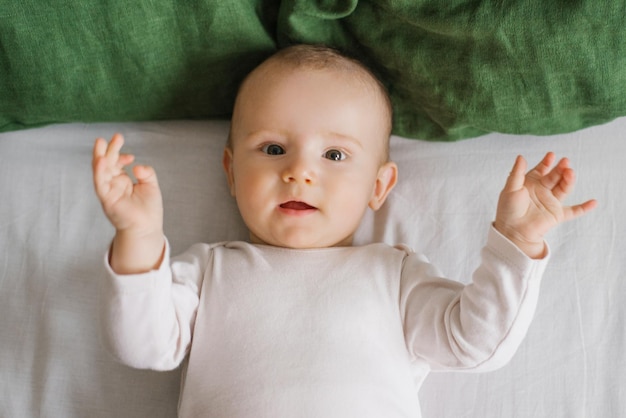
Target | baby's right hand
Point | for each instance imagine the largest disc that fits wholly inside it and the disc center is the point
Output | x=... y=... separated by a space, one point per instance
x=135 y=208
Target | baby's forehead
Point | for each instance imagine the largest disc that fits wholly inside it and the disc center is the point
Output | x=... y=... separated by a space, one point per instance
x=350 y=72
x=275 y=71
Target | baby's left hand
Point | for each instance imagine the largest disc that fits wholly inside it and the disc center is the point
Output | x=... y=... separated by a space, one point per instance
x=531 y=204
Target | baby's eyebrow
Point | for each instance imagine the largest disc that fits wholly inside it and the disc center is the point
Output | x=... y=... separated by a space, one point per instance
x=343 y=137
x=265 y=133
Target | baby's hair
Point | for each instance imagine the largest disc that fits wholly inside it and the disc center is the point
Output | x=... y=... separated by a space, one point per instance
x=320 y=57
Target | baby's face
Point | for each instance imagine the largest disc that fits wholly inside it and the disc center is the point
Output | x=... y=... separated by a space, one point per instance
x=306 y=157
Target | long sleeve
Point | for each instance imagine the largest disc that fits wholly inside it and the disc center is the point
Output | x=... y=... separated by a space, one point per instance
x=148 y=318
x=478 y=326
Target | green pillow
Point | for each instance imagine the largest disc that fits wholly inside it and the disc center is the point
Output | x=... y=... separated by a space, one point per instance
x=454 y=69
x=118 y=60
x=457 y=69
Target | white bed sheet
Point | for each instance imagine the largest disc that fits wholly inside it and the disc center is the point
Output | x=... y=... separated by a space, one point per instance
x=53 y=236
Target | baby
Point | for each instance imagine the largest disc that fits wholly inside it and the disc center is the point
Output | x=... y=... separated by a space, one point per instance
x=298 y=322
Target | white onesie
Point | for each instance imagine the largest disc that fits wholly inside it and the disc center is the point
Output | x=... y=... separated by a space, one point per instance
x=333 y=332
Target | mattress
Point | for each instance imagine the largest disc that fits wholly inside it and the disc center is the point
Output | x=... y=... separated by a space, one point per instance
x=53 y=236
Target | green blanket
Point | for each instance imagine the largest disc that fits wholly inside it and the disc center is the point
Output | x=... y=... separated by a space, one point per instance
x=454 y=69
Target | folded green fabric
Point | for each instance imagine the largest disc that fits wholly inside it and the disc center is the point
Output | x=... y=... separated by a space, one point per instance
x=458 y=69
x=454 y=69
x=112 y=60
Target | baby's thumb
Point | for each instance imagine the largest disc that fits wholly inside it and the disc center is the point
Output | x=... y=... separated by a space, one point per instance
x=145 y=174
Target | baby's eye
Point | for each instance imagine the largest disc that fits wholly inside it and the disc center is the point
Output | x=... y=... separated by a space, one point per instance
x=273 y=149
x=334 y=155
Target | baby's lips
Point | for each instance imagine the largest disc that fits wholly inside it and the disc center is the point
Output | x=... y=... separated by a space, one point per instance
x=295 y=205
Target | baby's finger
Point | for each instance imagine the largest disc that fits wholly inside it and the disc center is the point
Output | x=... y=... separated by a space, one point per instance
x=554 y=178
x=113 y=150
x=565 y=184
x=145 y=174
x=101 y=176
x=544 y=165
x=516 y=178
x=124 y=160
x=99 y=150
x=573 y=212
x=99 y=147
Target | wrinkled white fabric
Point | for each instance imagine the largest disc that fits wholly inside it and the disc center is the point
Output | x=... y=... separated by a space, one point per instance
x=53 y=235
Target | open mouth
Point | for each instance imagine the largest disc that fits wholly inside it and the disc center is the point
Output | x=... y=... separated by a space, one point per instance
x=295 y=205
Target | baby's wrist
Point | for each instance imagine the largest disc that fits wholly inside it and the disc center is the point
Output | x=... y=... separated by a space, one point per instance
x=535 y=249
x=133 y=253
x=139 y=234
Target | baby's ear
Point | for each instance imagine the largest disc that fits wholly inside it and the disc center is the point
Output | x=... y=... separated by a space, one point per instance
x=227 y=163
x=385 y=181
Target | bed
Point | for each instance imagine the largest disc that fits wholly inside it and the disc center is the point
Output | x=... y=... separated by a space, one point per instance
x=53 y=237
x=454 y=146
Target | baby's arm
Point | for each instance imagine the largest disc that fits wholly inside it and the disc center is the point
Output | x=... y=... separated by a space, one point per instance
x=477 y=326
x=531 y=204
x=134 y=209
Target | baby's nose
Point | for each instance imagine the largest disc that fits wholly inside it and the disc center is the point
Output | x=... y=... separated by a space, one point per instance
x=299 y=170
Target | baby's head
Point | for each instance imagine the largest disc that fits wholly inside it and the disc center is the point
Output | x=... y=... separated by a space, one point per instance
x=308 y=148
